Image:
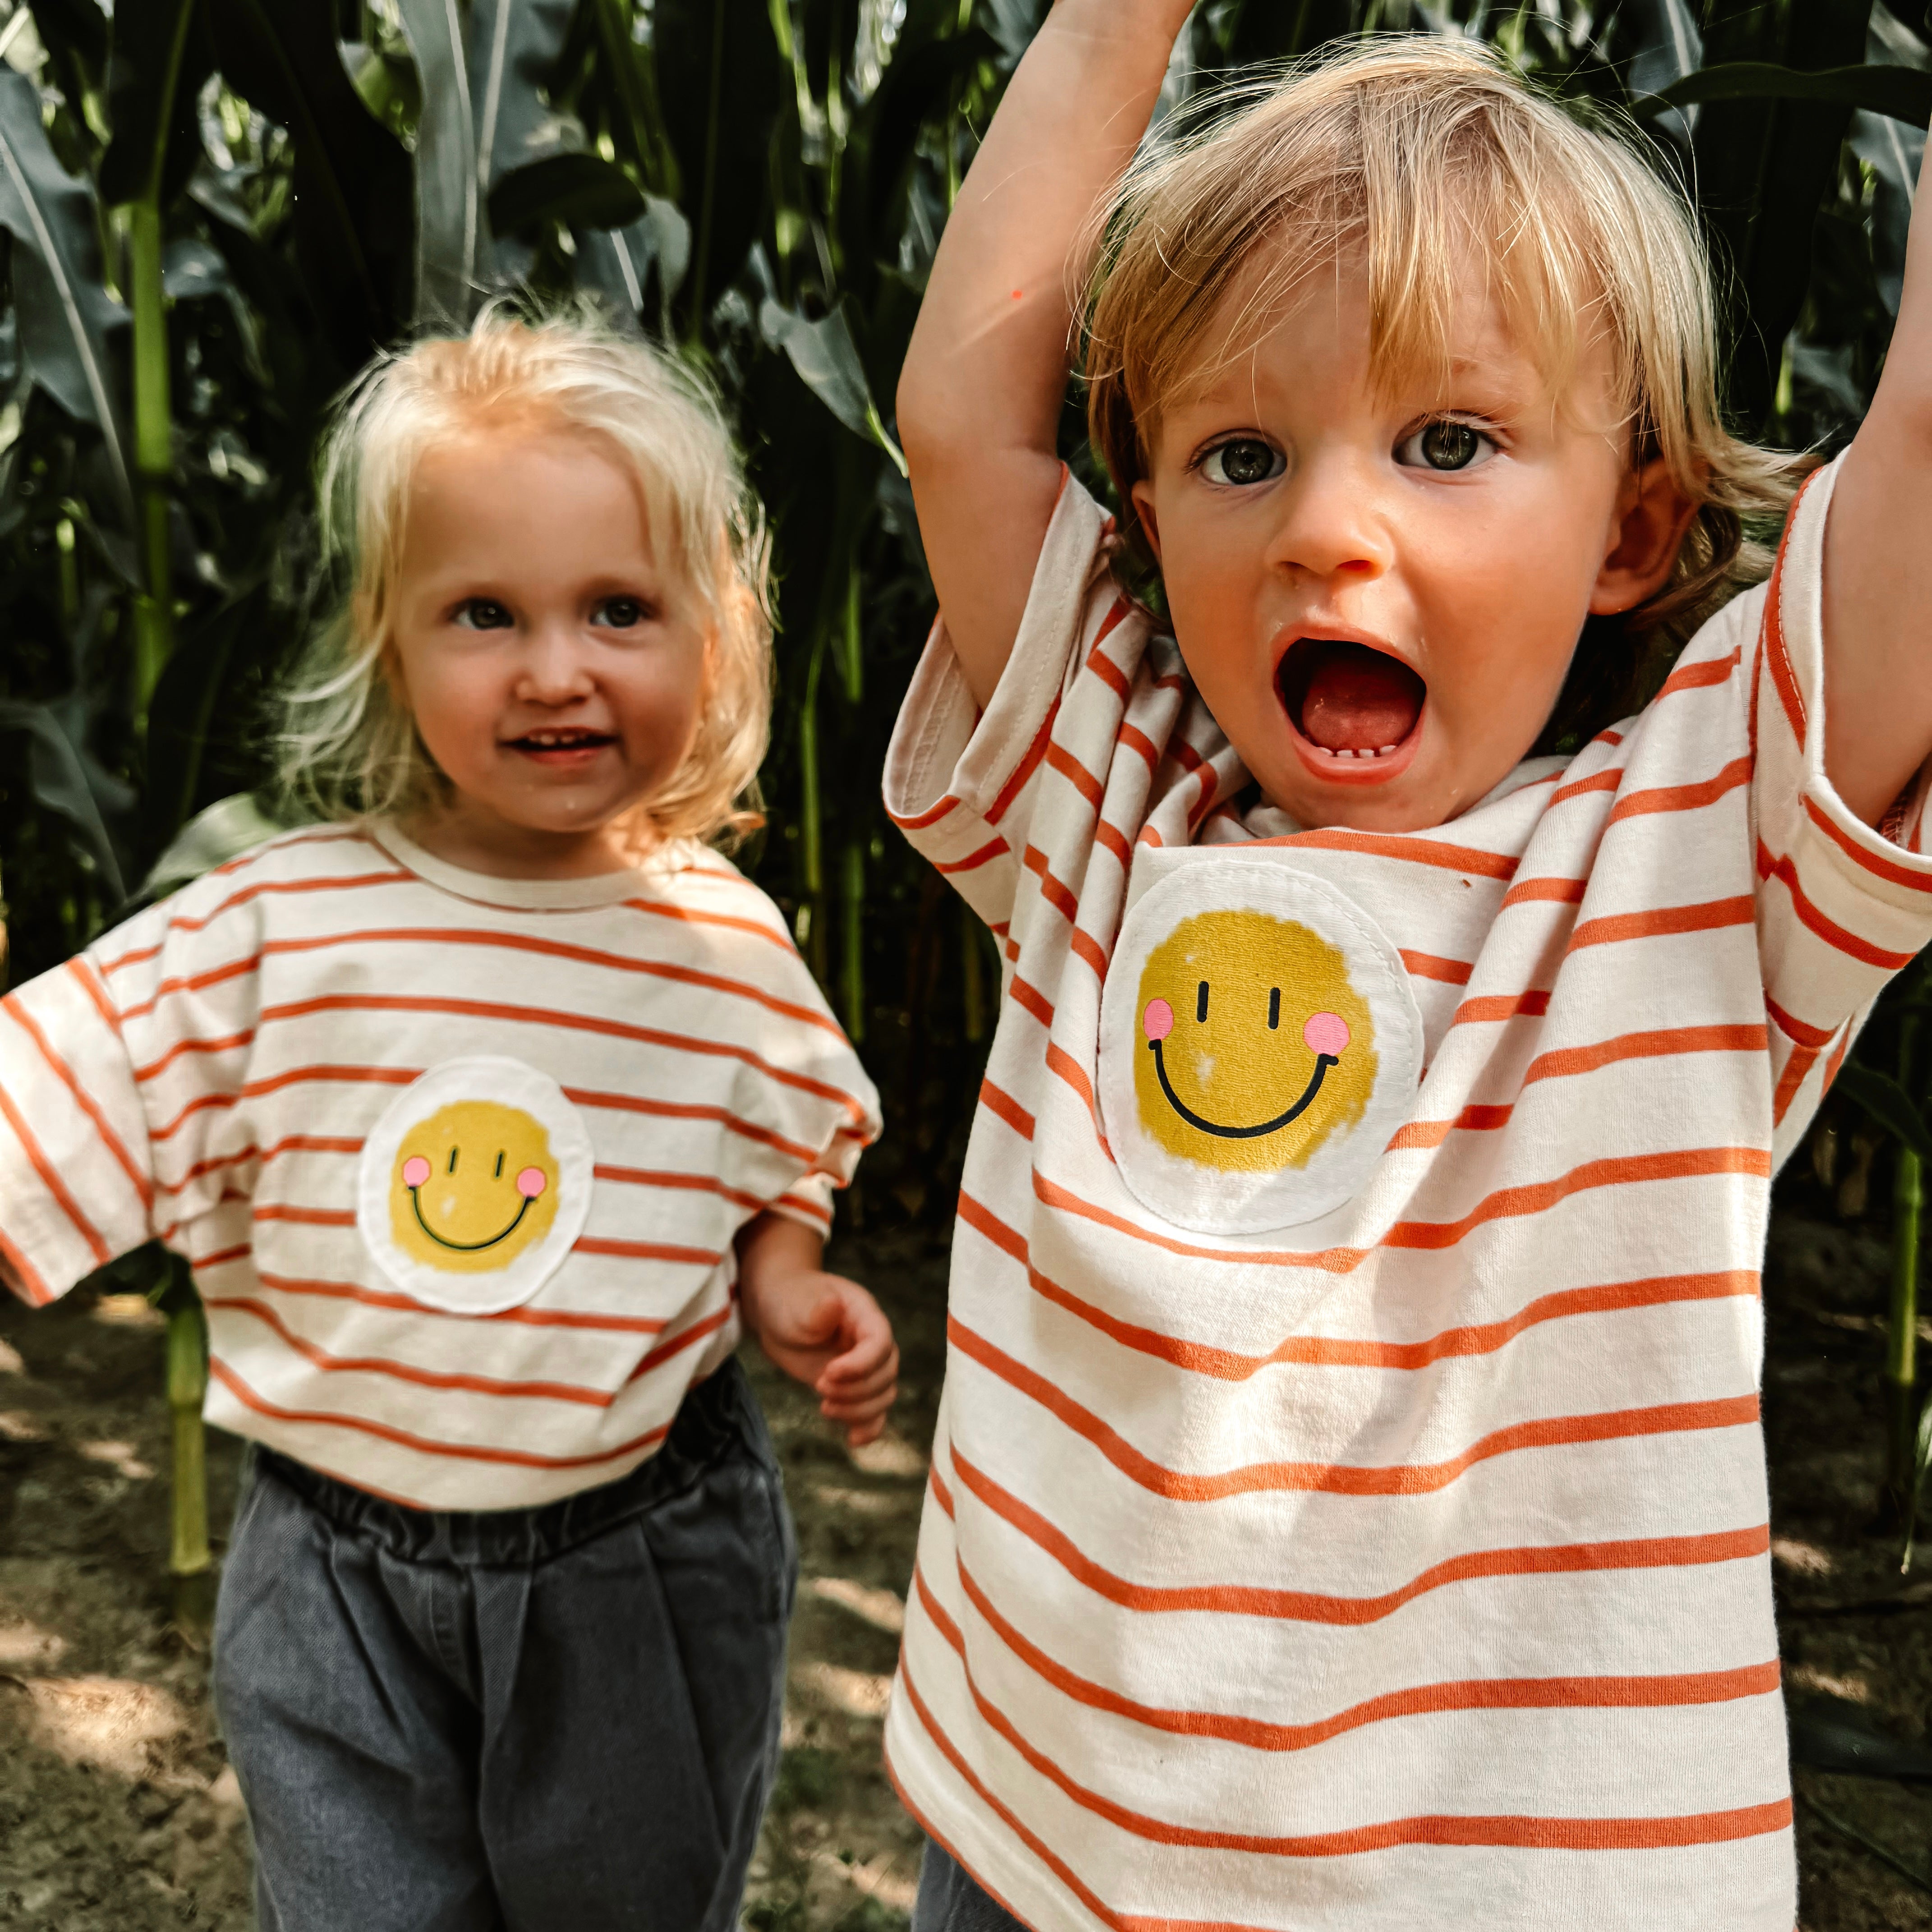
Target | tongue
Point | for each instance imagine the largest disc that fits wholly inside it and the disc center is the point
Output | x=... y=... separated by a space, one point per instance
x=1359 y=699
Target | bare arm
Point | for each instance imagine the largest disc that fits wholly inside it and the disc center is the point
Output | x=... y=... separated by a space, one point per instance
x=1878 y=567
x=979 y=400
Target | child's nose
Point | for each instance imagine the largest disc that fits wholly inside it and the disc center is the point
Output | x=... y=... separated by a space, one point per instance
x=1329 y=529
x=554 y=668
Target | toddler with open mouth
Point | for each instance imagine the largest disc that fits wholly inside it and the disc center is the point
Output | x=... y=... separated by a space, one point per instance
x=1348 y=1506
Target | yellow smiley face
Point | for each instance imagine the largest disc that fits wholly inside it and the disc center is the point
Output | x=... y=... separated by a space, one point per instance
x=472 y=1187
x=1254 y=1046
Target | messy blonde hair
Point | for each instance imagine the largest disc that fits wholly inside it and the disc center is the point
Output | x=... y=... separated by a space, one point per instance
x=1407 y=155
x=349 y=747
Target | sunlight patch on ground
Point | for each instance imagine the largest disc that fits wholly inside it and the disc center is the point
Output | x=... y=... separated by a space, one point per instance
x=120 y=1457
x=1805 y=1558
x=859 y=1693
x=129 y=1311
x=25 y=1645
x=879 y=1608
x=17 y=1425
x=883 y=1878
x=113 y=1723
x=10 y=1364
x=861 y=1502
x=1808 y=1677
x=891 y=1455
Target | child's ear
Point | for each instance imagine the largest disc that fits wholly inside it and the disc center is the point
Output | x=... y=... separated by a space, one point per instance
x=1142 y=493
x=1652 y=514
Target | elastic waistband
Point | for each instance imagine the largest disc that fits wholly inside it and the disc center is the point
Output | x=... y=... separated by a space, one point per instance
x=717 y=1415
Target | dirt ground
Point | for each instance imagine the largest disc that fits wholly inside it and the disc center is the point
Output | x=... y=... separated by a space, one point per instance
x=118 y=1813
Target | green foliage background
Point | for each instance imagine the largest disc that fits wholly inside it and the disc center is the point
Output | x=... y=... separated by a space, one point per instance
x=213 y=211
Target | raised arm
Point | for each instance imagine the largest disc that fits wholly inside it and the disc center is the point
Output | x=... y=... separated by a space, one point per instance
x=1878 y=567
x=979 y=401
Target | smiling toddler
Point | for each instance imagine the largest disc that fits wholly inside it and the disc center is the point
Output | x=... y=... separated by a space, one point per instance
x=1348 y=1505
x=488 y=1114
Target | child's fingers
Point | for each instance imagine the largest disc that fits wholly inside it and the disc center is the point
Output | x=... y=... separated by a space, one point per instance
x=859 y=1368
x=842 y=1408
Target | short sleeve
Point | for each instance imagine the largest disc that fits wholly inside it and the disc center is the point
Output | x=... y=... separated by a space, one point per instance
x=1840 y=907
x=963 y=786
x=76 y=1179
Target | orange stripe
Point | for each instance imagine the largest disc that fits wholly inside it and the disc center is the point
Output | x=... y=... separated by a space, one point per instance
x=1696 y=677
x=109 y=1017
x=1664 y=921
x=1606 y=780
x=391 y=1076
x=1673 y=1692
x=52 y=1181
x=187 y=923
x=1345 y=1479
x=1797 y=1030
x=994 y=848
x=1138 y=741
x=1489 y=1007
x=1308 y=1607
x=1683 y=797
x=1838 y=1058
x=1800 y=1063
x=1035 y=1002
x=1506 y=1203
x=1833 y=934
x=1421 y=1134
x=1880 y=868
x=1542 y=1833
x=1784 y=679
x=800 y=1204
x=731 y=922
x=1562 y=892
x=497 y=1009
x=920 y=821
x=373 y=1298
x=1076 y=773
x=676 y=1344
x=680 y=1110
x=1055 y=894
x=1428 y=966
x=1027 y=765
x=138 y=1181
x=29 y=1278
x=144 y=1074
x=997 y=1100
x=585 y=955
x=308 y=1217
x=1400 y=845
x=1336 y=1351
x=330 y=1364
x=424 y=1444
x=192 y=982
x=1087 y=949
x=646 y=1251
x=303 y=1143
x=1062 y=1064
x=703 y=1184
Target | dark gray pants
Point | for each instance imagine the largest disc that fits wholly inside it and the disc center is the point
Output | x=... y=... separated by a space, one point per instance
x=559 y=1717
x=950 y=1901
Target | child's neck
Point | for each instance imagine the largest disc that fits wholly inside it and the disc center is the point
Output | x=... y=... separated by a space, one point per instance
x=479 y=841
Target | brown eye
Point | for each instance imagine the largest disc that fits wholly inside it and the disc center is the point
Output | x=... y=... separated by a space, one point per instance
x=1245 y=461
x=1444 y=445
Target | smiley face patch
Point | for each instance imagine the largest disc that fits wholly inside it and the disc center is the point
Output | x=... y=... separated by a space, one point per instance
x=1259 y=1045
x=474 y=1185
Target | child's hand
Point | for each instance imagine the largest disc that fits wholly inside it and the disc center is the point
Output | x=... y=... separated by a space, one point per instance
x=822 y=1330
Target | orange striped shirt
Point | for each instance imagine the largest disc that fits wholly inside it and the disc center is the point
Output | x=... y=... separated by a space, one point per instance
x=1373 y=1531
x=457 y=1161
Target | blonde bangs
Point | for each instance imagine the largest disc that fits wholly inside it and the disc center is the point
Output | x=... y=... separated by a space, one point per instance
x=1412 y=157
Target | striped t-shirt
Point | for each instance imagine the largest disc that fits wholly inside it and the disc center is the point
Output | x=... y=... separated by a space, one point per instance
x=1348 y=1506
x=457 y=1160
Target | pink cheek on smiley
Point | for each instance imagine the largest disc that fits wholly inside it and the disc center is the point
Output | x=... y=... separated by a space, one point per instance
x=415 y=1171
x=1157 y=1022
x=531 y=1183
x=1326 y=1032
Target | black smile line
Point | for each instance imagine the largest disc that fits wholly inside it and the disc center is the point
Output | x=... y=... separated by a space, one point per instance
x=470 y=1247
x=1323 y=1061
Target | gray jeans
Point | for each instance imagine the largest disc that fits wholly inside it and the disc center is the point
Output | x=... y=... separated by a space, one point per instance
x=950 y=1901
x=563 y=1718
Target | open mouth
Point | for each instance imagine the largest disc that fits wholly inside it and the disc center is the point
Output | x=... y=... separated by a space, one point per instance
x=563 y=744
x=1357 y=711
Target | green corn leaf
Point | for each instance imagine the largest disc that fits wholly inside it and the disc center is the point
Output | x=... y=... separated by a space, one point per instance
x=514 y=46
x=450 y=237
x=1903 y=93
x=159 y=63
x=827 y=362
x=1887 y=1103
x=67 y=784
x=580 y=190
x=66 y=313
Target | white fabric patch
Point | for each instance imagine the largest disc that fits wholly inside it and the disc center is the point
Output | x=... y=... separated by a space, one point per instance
x=1259 y=1045
x=475 y=1184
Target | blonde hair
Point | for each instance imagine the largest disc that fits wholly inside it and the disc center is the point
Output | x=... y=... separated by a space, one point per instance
x=349 y=747
x=1401 y=152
